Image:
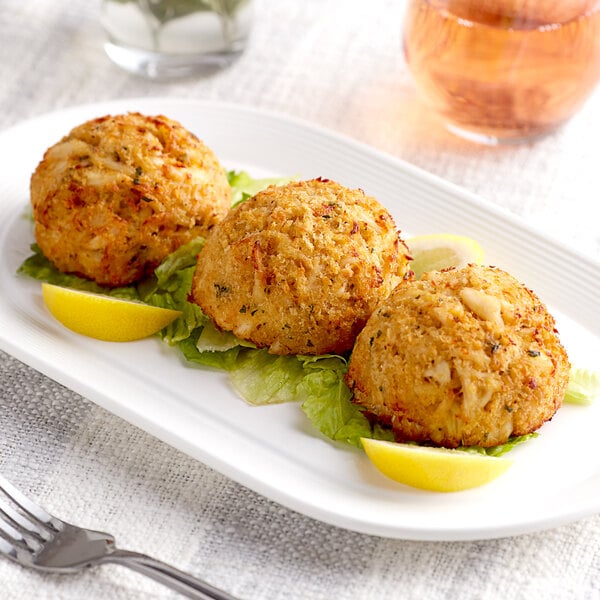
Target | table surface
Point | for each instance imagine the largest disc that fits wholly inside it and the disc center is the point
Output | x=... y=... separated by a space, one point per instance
x=338 y=66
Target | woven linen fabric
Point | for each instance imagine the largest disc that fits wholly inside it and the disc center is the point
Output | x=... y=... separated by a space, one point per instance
x=338 y=65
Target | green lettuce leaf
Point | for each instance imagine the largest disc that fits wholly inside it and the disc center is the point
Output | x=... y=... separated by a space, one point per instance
x=327 y=404
x=583 y=386
x=224 y=361
x=213 y=340
x=210 y=347
x=170 y=288
x=243 y=186
x=261 y=378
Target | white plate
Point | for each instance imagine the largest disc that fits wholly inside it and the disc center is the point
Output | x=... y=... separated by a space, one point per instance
x=273 y=450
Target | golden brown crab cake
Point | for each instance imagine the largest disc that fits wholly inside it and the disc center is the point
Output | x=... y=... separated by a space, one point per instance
x=299 y=268
x=119 y=193
x=461 y=357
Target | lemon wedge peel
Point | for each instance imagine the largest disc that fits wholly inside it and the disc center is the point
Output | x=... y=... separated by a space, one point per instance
x=105 y=317
x=437 y=251
x=434 y=469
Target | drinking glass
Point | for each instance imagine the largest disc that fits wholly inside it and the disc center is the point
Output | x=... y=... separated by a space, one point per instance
x=503 y=70
x=164 y=39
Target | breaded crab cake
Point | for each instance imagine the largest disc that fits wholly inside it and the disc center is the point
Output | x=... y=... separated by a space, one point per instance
x=119 y=193
x=299 y=268
x=461 y=357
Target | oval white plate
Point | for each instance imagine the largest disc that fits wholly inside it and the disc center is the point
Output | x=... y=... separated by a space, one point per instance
x=273 y=450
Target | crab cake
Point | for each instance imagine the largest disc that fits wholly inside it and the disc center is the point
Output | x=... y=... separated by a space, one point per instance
x=461 y=357
x=299 y=268
x=119 y=193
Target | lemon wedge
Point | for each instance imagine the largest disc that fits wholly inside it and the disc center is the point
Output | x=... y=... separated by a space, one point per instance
x=104 y=317
x=434 y=469
x=438 y=251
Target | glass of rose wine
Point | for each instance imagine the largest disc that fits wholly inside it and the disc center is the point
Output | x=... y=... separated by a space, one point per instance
x=500 y=71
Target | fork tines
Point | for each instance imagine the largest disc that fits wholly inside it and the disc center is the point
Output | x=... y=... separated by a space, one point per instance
x=23 y=524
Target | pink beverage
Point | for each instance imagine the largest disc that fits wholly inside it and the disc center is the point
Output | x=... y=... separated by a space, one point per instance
x=504 y=69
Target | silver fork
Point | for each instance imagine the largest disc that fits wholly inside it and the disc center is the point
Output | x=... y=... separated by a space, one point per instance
x=33 y=538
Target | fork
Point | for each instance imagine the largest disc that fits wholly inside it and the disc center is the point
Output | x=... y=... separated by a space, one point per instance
x=33 y=538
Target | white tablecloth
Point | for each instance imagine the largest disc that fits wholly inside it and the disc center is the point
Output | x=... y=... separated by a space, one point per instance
x=338 y=65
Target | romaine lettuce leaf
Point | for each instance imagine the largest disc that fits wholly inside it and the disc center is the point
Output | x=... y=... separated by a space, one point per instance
x=170 y=287
x=261 y=378
x=243 y=186
x=327 y=404
x=213 y=340
x=218 y=360
x=583 y=386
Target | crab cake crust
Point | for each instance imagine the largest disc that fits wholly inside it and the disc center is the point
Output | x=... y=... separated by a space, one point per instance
x=299 y=268
x=119 y=193
x=461 y=357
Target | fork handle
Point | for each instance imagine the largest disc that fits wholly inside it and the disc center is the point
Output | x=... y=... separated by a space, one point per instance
x=167 y=575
